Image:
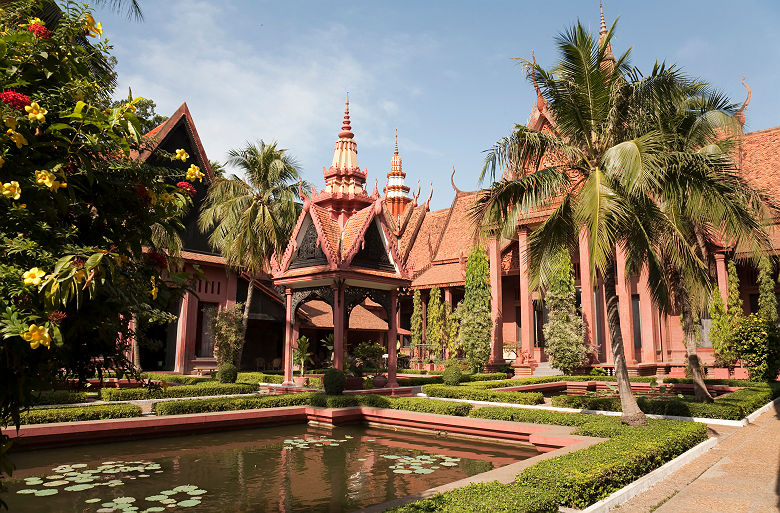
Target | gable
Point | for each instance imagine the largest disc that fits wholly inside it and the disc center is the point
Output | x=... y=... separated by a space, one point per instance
x=373 y=253
x=309 y=253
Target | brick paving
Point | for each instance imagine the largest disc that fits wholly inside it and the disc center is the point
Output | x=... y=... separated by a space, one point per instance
x=739 y=475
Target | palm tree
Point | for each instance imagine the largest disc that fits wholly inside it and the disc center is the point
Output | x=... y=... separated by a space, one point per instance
x=250 y=219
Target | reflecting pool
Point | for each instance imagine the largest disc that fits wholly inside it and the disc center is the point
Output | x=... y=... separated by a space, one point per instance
x=286 y=469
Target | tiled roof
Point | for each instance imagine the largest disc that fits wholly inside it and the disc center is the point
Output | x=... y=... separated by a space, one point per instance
x=458 y=233
x=367 y=316
x=202 y=257
x=329 y=226
x=353 y=229
x=412 y=228
x=760 y=160
x=439 y=275
x=424 y=245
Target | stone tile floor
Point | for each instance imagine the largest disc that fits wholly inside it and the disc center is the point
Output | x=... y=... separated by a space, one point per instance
x=739 y=475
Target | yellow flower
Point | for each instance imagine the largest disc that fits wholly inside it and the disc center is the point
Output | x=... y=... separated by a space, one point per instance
x=154 y=290
x=2 y=161
x=152 y=198
x=33 y=276
x=130 y=107
x=194 y=173
x=181 y=155
x=36 y=112
x=17 y=138
x=166 y=197
x=37 y=336
x=10 y=123
x=36 y=21
x=48 y=179
x=11 y=189
x=93 y=30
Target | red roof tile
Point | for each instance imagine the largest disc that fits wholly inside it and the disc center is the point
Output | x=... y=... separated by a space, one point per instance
x=458 y=232
x=424 y=245
x=440 y=275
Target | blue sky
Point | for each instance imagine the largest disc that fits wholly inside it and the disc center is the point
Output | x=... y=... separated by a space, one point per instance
x=441 y=72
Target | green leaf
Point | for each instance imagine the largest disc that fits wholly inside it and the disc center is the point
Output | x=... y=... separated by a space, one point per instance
x=93 y=261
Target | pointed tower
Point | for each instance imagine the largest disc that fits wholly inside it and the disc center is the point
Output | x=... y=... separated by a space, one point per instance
x=345 y=191
x=609 y=57
x=396 y=191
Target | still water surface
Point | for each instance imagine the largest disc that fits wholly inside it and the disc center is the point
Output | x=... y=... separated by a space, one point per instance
x=285 y=469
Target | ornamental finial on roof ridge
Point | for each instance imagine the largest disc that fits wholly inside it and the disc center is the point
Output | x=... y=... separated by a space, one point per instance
x=603 y=30
x=346 y=127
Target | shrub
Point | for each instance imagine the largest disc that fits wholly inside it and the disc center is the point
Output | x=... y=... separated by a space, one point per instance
x=333 y=381
x=174 y=378
x=228 y=335
x=227 y=373
x=58 y=397
x=395 y=403
x=253 y=378
x=230 y=403
x=474 y=394
x=412 y=371
x=204 y=389
x=757 y=344
x=451 y=376
x=79 y=413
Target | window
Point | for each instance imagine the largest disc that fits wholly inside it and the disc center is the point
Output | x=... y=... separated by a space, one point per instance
x=599 y=323
x=517 y=324
x=204 y=338
x=540 y=318
x=637 y=322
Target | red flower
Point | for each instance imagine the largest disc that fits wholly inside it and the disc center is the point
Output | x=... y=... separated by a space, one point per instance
x=187 y=187
x=40 y=31
x=158 y=260
x=16 y=100
x=56 y=317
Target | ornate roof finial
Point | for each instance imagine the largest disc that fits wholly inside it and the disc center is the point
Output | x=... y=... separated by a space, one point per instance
x=539 y=97
x=428 y=201
x=452 y=181
x=603 y=30
x=346 y=128
x=375 y=193
x=396 y=141
x=739 y=116
x=418 y=192
x=609 y=57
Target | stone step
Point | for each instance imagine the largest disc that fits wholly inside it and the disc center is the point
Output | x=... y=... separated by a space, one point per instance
x=545 y=369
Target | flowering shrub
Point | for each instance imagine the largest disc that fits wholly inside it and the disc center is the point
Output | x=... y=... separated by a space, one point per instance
x=73 y=225
x=757 y=344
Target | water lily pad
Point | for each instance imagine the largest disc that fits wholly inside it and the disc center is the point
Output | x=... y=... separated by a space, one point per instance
x=106 y=510
x=155 y=498
x=92 y=501
x=168 y=501
x=361 y=459
x=402 y=471
x=188 y=503
x=185 y=488
x=423 y=471
x=449 y=464
x=333 y=444
x=44 y=493
x=168 y=492
x=26 y=491
x=79 y=487
x=54 y=477
x=196 y=492
x=154 y=509
x=124 y=500
x=56 y=483
x=78 y=465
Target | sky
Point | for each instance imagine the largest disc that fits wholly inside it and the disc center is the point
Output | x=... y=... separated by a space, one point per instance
x=440 y=72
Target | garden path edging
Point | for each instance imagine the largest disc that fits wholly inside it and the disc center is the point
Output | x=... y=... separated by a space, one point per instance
x=703 y=420
x=647 y=481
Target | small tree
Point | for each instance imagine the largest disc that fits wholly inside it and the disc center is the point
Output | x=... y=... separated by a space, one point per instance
x=726 y=319
x=417 y=319
x=475 y=322
x=435 y=324
x=228 y=334
x=301 y=354
x=767 y=300
x=563 y=333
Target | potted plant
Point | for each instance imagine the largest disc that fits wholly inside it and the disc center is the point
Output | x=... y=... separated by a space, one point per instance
x=369 y=358
x=302 y=356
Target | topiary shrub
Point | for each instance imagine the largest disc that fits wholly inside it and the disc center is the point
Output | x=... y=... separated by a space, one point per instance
x=227 y=373
x=452 y=375
x=333 y=381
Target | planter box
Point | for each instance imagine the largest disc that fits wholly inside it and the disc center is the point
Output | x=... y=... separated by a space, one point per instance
x=300 y=381
x=740 y=373
x=719 y=373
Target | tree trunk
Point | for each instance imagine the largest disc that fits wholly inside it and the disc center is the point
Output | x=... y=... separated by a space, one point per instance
x=250 y=292
x=689 y=328
x=632 y=415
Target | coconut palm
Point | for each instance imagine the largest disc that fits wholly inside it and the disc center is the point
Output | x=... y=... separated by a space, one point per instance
x=603 y=168
x=251 y=218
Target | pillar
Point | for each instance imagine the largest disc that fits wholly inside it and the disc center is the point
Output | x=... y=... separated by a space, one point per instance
x=339 y=321
x=586 y=289
x=392 y=340
x=288 y=338
x=496 y=317
x=647 y=318
x=624 y=306
x=185 y=332
x=424 y=301
x=526 y=304
x=448 y=301
x=230 y=289
x=723 y=276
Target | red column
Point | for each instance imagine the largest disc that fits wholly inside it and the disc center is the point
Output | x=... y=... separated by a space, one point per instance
x=230 y=289
x=526 y=305
x=185 y=332
x=496 y=338
x=624 y=297
x=288 y=338
x=448 y=301
x=723 y=276
x=392 y=339
x=586 y=289
x=647 y=318
x=338 y=327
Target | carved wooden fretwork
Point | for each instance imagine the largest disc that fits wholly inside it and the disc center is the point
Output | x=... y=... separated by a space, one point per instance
x=300 y=296
x=309 y=253
x=373 y=254
x=353 y=296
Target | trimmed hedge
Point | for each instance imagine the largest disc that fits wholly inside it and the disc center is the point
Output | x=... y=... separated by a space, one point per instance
x=77 y=413
x=204 y=389
x=438 y=379
x=412 y=371
x=58 y=397
x=230 y=403
x=576 y=479
x=394 y=403
x=253 y=378
x=727 y=382
x=475 y=394
x=514 y=382
x=175 y=378
x=734 y=406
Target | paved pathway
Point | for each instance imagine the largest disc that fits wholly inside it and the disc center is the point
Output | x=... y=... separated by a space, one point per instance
x=739 y=475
